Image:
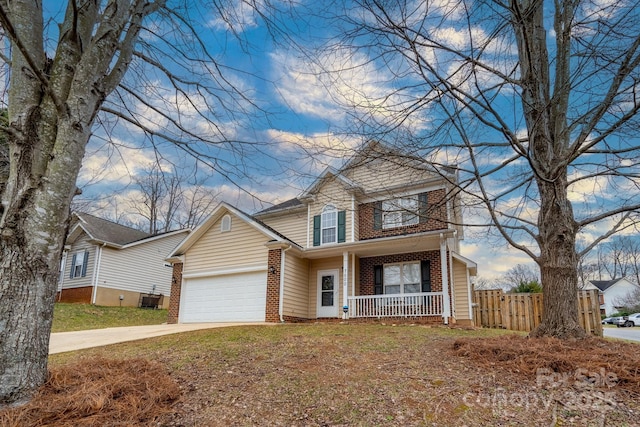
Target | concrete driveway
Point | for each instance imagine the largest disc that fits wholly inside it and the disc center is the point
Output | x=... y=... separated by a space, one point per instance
x=71 y=341
x=632 y=334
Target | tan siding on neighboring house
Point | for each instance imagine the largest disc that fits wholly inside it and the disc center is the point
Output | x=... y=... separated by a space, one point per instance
x=242 y=246
x=380 y=174
x=79 y=247
x=296 y=287
x=314 y=267
x=111 y=297
x=461 y=290
x=140 y=267
x=293 y=226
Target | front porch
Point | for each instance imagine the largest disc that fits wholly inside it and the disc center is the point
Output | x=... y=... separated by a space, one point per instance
x=396 y=305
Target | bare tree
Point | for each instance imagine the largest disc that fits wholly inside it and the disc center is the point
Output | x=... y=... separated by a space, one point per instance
x=153 y=190
x=168 y=200
x=196 y=202
x=517 y=275
x=541 y=122
x=622 y=258
x=92 y=65
x=630 y=302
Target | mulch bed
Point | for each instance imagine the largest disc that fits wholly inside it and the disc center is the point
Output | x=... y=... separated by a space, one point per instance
x=99 y=392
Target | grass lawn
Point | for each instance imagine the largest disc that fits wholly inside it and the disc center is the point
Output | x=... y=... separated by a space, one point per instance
x=78 y=317
x=341 y=374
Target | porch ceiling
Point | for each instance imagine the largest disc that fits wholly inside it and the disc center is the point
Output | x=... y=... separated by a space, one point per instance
x=420 y=242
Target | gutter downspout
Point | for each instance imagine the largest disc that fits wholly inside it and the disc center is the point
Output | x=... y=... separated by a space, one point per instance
x=353 y=218
x=63 y=266
x=445 y=280
x=96 y=273
x=281 y=299
x=308 y=224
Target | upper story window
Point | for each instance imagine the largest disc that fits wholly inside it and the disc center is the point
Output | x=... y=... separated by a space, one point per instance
x=329 y=225
x=79 y=264
x=400 y=212
x=225 y=224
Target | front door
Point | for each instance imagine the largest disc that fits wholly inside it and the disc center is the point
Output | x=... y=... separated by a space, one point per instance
x=328 y=293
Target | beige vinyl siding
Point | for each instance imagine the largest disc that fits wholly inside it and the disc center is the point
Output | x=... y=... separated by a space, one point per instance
x=242 y=246
x=139 y=267
x=296 y=287
x=111 y=297
x=81 y=245
x=331 y=193
x=461 y=290
x=293 y=226
x=315 y=266
x=382 y=173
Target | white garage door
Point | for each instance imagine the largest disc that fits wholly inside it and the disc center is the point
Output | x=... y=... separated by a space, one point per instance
x=229 y=298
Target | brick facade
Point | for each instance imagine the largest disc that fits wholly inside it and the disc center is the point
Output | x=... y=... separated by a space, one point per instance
x=436 y=214
x=176 y=287
x=367 y=264
x=76 y=295
x=273 y=286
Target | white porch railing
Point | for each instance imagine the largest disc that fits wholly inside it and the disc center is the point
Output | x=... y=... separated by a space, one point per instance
x=396 y=305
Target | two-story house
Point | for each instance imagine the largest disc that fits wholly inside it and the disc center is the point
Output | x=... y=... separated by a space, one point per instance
x=378 y=238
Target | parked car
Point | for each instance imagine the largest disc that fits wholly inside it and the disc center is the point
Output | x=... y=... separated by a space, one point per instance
x=608 y=320
x=613 y=320
x=628 y=321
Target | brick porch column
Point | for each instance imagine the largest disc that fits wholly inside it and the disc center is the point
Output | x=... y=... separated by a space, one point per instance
x=174 y=299
x=273 y=286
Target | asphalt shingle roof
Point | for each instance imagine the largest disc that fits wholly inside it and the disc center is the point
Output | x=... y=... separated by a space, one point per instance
x=291 y=203
x=604 y=284
x=108 y=231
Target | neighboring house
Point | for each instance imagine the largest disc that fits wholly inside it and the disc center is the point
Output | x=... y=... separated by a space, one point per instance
x=377 y=238
x=105 y=263
x=612 y=292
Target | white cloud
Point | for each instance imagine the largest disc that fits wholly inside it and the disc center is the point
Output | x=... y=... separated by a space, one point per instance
x=493 y=261
x=339 y=81
x=115 y=165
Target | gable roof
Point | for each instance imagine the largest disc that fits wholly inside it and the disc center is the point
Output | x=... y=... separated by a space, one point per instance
x=104 y=231
x=286 y=205
x=603 y=285
x=220 y=210
x=370 y=152
x=376 y=150
x=327 y=174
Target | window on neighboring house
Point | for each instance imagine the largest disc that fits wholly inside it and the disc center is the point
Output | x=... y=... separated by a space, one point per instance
x=225 y=224
x=400 y=212
x=329 y=225
x=79 y=264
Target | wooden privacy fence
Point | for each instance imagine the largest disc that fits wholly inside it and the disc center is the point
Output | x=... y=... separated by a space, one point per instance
x=523 y=312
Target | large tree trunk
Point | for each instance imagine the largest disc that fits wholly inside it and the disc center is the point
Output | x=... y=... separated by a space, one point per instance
x=52 y=107
x=558 y=262
x=545 y=112
x=25 y=318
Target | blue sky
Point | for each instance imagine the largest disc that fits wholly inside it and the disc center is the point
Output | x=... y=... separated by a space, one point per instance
x=294 y=112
